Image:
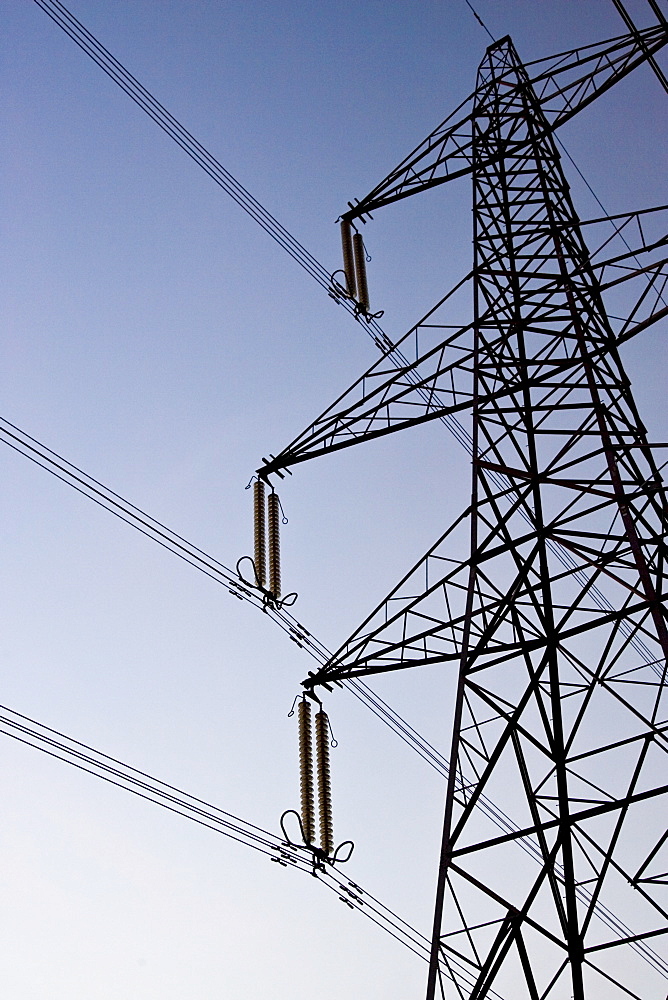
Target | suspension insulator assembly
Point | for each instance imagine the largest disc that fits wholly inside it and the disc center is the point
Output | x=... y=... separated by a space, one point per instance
x=360 y=272
x=348 y=259
x=306 y=771
x=260 y=533
x=274 y=521
x=324 y=788
x=324 y=852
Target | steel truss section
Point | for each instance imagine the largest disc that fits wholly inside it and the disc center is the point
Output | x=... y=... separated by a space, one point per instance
x=562 y=84
x=547 y=596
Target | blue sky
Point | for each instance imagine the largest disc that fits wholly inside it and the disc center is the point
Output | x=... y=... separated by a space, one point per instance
x=156 y=337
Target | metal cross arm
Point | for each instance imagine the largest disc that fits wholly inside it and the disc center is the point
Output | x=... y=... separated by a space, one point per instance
x=564 y=84
x=388 y=398
x=392 y=403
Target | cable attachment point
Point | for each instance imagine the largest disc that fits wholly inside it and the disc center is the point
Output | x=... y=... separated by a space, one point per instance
x=338 y=289
x=336 y=856
x=269 y=600
x=284 y=518
x=333 y=742
x=286 y=835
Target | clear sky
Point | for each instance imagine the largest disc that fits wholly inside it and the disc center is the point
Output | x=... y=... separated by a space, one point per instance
x=156 y=337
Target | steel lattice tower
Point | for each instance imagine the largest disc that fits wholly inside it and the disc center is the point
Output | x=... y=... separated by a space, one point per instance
x=547 y=595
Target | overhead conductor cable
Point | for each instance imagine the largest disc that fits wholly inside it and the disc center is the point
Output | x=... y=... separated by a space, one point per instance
x=274 y=521
x=260 y=535
x=324 y=789
x=306 y=770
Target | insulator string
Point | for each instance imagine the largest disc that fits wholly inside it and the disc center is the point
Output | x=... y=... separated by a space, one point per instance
x=259 y=532
x=324 y=786
x=348 y=259
x=274 y=524
x=360 y=272
x=306 y=770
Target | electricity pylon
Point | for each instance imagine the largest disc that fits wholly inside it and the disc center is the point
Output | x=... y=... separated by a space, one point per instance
x=546 y=596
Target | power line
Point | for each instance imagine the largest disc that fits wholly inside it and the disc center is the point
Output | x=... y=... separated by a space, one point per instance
x=85 y=758
x=117 y=72
x=478 y=18
x=150 y=527
x=70 y=474
x=186 y=141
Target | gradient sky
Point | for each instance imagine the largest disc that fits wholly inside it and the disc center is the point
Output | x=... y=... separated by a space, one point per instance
x=156 y=337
